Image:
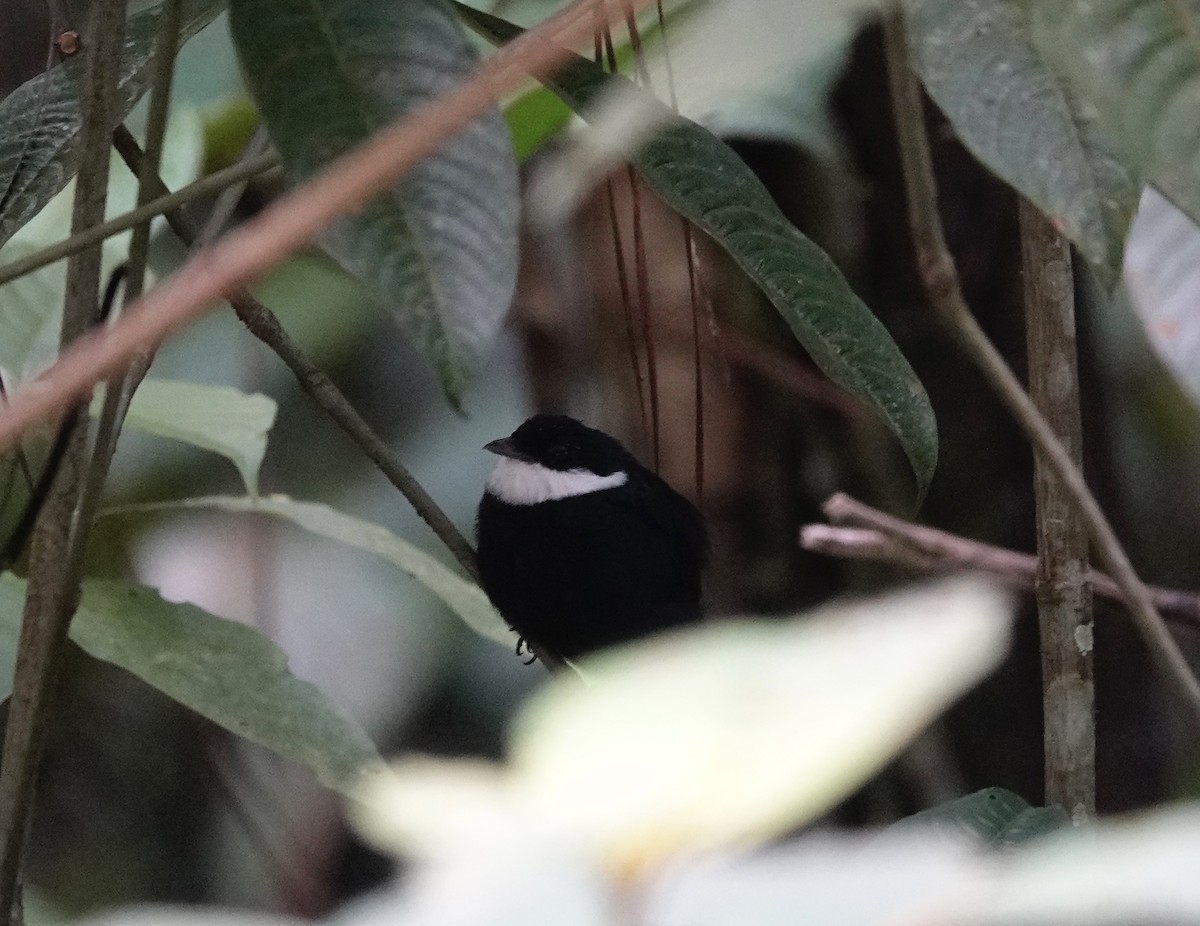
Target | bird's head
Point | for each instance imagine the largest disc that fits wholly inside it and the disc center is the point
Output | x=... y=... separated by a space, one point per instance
x=552 y=457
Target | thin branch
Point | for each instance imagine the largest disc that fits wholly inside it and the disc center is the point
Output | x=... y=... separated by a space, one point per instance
x=213 y=183
x=121 y=387
x=940 y=278
x=865 y=533
x=252 y=249
x=1063 y=595
x=263 y=324
x=53 y=590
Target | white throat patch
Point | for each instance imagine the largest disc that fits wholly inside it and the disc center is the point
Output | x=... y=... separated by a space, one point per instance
x=519 y=483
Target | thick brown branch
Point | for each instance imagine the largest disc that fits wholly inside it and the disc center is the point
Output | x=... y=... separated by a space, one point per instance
x=1063 y=594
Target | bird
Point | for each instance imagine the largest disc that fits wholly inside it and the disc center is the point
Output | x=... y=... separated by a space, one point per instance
x=580 y=547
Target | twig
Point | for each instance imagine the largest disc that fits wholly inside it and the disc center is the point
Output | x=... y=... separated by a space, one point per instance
x=252 y=249
x=940 y=278
x=1063 y=595
x=265 y=326
x=213 y=183
x=53 y=590
x=121 y=387
x=865 y=533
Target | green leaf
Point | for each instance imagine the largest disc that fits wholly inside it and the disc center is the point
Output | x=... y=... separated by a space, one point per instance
x=224 y=420
x=979 y=62
x=31 y=305
x=731 y=733
x=533 y=119
x=440 y=248
x=701 y=177
x=40 y=120
x=1137 y=64
x=220 y=669
x=993 y=816
x=463 y=597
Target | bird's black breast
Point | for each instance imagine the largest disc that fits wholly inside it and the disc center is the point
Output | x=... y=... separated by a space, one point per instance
x=594 y=570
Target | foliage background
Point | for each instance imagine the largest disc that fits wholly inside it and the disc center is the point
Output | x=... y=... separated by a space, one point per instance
x=142 y=800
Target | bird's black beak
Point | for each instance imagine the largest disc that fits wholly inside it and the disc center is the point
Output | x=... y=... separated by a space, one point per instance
x=504 y=447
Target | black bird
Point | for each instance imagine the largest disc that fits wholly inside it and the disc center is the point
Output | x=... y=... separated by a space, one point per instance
x=582 y=547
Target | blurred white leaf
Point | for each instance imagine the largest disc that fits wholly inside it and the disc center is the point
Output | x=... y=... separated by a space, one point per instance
x=736 y=732
x=1162 y=274
x=186 y=916
x=1134 y=870
x=224 y=420
x=1140 y=869
x=483 y=860
x=724 y=735
x=432 y=808
x=822 y=880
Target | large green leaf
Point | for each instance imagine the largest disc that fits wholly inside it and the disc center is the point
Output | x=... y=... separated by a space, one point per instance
x=40 y=119
x=701 y=177
x=1137 y=62
x=440 y=248
x=979 y=62
x=993 y=816
x=463 y=597
x=224 y=420
x=223 y=670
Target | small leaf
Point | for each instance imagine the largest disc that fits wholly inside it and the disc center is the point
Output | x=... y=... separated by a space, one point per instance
x=40 y=120
x=440 y=248
x=222 y=670
x=464 y=598
x=978 y=60
x=1138 y=65
x=732 y=733
x=224 y=420
x=700 y=177
x=993 y=816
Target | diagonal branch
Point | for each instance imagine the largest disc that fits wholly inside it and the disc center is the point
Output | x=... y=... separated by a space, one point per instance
x=940 y=278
